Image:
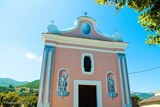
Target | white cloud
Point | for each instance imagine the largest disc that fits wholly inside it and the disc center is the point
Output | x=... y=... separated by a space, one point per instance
x=30 y=56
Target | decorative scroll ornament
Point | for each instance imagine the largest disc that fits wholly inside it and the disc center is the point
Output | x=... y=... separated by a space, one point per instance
x=62 y=84
x=111 y=89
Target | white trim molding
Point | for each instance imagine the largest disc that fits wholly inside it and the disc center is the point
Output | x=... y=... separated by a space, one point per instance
x=82 y=41
x=83 y=48
x=87 y=82
x=92 y=63
x=77 y=23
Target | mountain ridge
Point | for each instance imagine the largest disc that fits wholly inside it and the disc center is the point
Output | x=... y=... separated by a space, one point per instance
x=34 y=84
x=6 y=82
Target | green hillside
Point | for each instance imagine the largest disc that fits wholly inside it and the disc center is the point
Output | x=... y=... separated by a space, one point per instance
x=33 y=84
x=5 y=82
x=142 y=95
x=3 y=89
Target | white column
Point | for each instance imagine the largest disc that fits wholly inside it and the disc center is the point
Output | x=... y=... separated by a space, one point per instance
x=42 y=80
x=127 y=83
x=122 y=80
x=49 y=77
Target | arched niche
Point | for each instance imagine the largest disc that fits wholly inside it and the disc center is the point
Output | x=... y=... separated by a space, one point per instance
x=111 y=87
x=63 y=83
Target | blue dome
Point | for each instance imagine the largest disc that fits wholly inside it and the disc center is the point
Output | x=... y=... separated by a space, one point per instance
x=86 y=28
x=52 y=29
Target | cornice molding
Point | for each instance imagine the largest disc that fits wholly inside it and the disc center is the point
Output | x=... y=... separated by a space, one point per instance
x=83 y=41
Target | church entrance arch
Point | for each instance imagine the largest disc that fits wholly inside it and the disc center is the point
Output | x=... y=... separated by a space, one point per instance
x=87 y=93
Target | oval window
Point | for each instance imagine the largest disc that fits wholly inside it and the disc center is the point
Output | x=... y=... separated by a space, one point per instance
x=86 y=28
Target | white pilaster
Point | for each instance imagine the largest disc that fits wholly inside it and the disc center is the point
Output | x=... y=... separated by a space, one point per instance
x=122 y=80
x=47 y=104
x=40 y=104
x=42 y=80
x=127 y=83
x=129 y=105
x=49 y=76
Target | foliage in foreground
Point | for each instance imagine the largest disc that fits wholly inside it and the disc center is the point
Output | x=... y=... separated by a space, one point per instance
x=12 y=98
x=135 y=101
x=149 y=16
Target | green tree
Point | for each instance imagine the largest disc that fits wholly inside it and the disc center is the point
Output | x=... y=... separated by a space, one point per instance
x=11 y=98
x=23 y=89
x=135 y=100
x=1 y=99
x=29 y=101
x=3 y=89
x=149 y=16
x=21 y=94
x=31 y=91
x=11 y=88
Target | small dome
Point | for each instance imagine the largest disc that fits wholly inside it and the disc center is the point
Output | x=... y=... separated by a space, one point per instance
x=52 y=29
x=117 y=37
x=86 y=28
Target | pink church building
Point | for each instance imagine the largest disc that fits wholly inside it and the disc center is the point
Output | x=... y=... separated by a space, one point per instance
x=82 y=67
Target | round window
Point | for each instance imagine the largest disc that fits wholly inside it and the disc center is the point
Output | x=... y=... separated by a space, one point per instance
x=86 y=28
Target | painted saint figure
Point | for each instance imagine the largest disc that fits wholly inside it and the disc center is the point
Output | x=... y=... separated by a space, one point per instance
x=111 y=88
x=63 y=83
x=62 y=91
x=111 y=84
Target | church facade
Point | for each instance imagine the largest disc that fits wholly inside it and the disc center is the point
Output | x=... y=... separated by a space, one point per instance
x=82 y=67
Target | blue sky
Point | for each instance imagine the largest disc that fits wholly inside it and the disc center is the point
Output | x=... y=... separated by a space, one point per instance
x=23 y=21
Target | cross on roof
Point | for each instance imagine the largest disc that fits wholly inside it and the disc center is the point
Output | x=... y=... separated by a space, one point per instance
x=52 y=21
x=85 y=13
